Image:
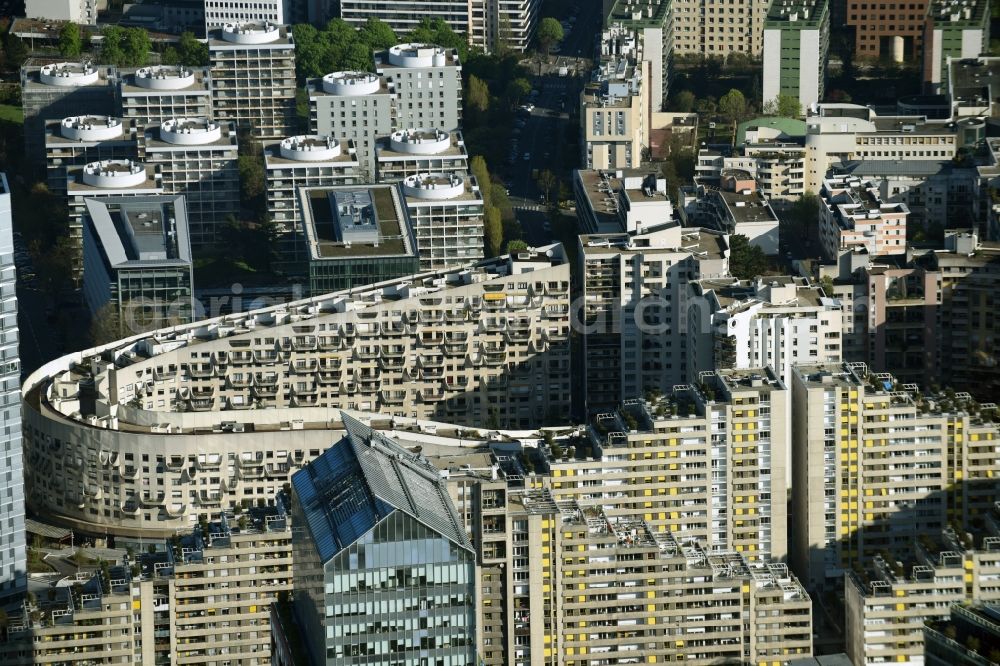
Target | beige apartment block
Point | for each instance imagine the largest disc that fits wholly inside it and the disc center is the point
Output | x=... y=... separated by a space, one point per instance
x=716 y=28
x=142 y=436
x=889 y=602
x=877 y=463
x=853 y=215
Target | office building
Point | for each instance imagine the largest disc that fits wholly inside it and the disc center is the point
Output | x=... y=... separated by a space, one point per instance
x=778 y=322
x=713 y=29
x=13 y=560
x=796 y=44
x=412 y=151
x=59 y=90
x=955 y=29
x=427 y=82
x=355 y=106
x=137 y=261
x=99 y=180
x=304 y=161
x=446 y=211
x=200 y=597
x=852 y=215
x=850 y=505
x=893 y=29
x=77 y=140
x=483 y=343
x=629 y=200
x=81 y=12
x=635 y=293
x=615 y=107
x=375 y=518
x=151 y=95
x=889 y=602
x=356 y=236
x=253 y=78
x=220 y=13
x=946 y=641
x=198 y=158
x=653 y=23
x=733 y=205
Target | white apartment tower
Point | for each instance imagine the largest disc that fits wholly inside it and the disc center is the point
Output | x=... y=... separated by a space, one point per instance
x=427 y=80
x=219 y=13
x=198 y=158
x=13 y=559
x=355 y=106
x=76 y=140
x=151 y=95
x=412 y=151
x=447 y=215
x=253 y=77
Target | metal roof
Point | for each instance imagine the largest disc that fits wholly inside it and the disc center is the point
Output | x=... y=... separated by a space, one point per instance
x=364 y=478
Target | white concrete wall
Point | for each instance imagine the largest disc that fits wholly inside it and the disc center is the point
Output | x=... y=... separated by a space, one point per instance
x=772 y=65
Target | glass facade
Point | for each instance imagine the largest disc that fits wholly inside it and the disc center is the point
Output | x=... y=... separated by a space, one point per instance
x=401 y=594
x=326 y=276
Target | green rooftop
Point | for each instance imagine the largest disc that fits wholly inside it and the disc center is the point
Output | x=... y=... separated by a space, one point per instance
x=795 y=13
x=392 y=239
x=791 y=127
x=639 y=13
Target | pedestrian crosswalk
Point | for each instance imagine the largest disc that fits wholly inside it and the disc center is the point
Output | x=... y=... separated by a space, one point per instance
x=528 y=207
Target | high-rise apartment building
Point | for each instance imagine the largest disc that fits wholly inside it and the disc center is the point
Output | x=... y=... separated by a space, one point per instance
x=356 y=236
x=486 y=343
x=77 y=140
x=220 y=13
x=137 y=260
x=354 y=106
x=197 y=157
x=495 y=25
x=303 y=161
x=412 y=151
x=946 y=641
x=100 y=180
x=777 y=322
x=715 y=29
x=853 y=215
x=796 y=44
x=630 y=200
x=446 y=211
x=427 y=82
x=59 y=90
x=151 y=95
x=253 y=78
x=381 y=563
x=889 y=602
x=955 y=29
x=615 y=107
x=82 y=12
x=13 y=560
x=635 y=296
x=733 y=204
x=652 y=21
x=876 y=464
x=889 y=29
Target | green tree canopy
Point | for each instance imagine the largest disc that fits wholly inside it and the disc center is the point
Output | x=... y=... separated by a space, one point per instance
x=517 y=90
x=437 y=31
x=125 y=47
x=550 y=32
x=477 y=94
x=70 y=40
x=786 y=106
x=192 y=52
x=733 y=105
x=515 y=246
x=746 y=261
x=377 y=34
x=477 y=165
x=15 y=49
x=684 y=101
x=492 y=231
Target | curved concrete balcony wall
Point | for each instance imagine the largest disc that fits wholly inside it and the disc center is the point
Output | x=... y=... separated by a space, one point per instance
x=250 y=33
x=190 y=131
x=114 y=174
x=91 y=128
x=68 y=75
x=418 y=55
x=164 y=78
x=351 y=84
x=310 y=148
x=419 y=142
x=433 y=186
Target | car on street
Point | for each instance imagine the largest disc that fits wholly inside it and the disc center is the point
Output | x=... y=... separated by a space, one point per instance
x=529 y=107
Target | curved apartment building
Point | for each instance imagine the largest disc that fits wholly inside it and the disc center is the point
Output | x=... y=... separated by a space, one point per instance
x=140 y=436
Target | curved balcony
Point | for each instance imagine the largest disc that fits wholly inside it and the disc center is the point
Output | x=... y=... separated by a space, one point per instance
x=392 y=397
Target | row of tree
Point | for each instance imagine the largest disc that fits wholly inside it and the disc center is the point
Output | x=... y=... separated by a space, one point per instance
x=502 y=232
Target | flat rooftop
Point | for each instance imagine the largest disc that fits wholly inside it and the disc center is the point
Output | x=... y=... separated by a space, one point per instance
x=912 y=125
x=975 y=81
x=749 y=208
x=200 y=85
x=958 y=13
x=795 y=13
x=705 y=243
x=456 y=148
x=325 y=236
x=76 y=186
x=147 y=230
x=828 y=374
x=638 y=13
x=314 y=87
x=273 y=158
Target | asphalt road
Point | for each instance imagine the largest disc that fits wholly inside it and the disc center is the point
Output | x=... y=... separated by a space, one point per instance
x=543 y=136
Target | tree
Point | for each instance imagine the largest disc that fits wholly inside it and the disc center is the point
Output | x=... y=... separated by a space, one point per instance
x=550 y=32
x=125 y=47
x=515 y=246
x=516 y=90
x=192 y=52
x=251 y=176
x=492 y=230
x=746 y=261
x=112 y=45
x=477 y=95
x=17 y=52
x=733 y=105
x=70 y=40
x=786 y=106
x=684 y=101
x=477 y=165
x=377 y=34
x=546 y=181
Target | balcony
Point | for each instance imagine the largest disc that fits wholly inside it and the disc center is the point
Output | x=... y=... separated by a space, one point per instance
x=392 y=397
